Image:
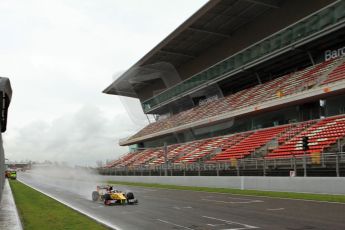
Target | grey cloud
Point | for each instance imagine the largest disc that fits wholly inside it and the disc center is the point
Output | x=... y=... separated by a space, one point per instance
x=81 y=138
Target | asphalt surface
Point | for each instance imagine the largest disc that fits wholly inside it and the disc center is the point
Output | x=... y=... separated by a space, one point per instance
x=174 y=209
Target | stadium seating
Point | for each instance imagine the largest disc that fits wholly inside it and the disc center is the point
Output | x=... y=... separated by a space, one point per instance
x=305 y=79
x=262 y=92
x=293 y=130
x=205 y=148
x=124 y=160
x=251 y=143
x=147 y=155
x=321 y=135
x=177 y=152
x=322 y=73
x=121 y=160
x=337 y=74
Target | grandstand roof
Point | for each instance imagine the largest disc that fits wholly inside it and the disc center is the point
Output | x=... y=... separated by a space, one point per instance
x=216 y=21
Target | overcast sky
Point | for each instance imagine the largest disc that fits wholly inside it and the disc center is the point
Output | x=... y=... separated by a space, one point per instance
x=60 y=55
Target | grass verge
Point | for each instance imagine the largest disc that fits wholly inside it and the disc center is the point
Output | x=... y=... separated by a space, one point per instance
x=290 y=195
x=38 y=211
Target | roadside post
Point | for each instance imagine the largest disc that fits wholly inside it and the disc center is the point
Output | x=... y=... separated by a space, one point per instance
x=165 y=159
x=305 y=146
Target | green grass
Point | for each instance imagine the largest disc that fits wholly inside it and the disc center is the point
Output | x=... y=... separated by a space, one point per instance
x=38 y=211
x=291 y=195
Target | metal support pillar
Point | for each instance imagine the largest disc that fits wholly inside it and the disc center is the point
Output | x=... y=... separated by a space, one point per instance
x=294 y=165
x=304 y=164
x=337 y=164
x=238 y=168
x=165 y=159
x=311 y=58
x=258 y=78
x=147 y=117
x=323 y=160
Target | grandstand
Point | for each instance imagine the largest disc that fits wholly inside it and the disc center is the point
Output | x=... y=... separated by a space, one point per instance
x=236 y=87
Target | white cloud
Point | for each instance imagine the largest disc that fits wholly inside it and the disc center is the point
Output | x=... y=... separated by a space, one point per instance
x=60 y=55
x=82 y=137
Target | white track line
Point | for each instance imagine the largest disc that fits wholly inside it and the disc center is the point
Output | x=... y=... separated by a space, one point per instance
x=229 y=197
x=245 y=226
x=234 y=202
x=177 y=225
x=275 y=209
x=105 y=223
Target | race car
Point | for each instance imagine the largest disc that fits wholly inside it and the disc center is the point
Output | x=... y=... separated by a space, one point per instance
x=109 y=195
x=11 y=174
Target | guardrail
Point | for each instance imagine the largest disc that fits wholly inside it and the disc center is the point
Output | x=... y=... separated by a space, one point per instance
x=325 y=164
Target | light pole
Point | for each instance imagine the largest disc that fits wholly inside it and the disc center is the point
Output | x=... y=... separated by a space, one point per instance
x=305 y=146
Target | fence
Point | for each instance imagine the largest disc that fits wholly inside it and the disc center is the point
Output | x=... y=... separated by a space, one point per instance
x=325 y=164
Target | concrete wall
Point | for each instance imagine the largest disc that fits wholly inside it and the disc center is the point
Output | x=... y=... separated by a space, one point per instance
x=328 y=185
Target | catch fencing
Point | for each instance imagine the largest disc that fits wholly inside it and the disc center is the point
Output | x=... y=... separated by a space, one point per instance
x=325 y=164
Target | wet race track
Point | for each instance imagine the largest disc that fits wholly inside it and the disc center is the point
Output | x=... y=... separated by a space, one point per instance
x=173 y=209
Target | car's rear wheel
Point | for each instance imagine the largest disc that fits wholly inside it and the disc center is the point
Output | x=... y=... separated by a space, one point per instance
x=95 y=196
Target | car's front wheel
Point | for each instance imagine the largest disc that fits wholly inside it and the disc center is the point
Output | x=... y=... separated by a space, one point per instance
x=130 y=196
x=95 y=196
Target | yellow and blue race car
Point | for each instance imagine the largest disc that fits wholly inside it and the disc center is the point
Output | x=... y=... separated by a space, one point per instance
x=11 y=174
x=110 y=196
